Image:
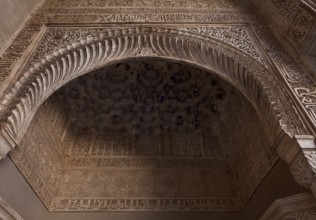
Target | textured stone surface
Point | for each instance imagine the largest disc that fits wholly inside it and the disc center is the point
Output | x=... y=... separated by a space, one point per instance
x=10 y=24
x=293 y=22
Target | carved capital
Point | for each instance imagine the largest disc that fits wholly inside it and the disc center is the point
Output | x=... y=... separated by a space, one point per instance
x=303 y=168
x=300 y=154
x=297 y=152
x=303 y=165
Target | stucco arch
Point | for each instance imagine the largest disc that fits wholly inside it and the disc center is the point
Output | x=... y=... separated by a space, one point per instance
x=256 y=82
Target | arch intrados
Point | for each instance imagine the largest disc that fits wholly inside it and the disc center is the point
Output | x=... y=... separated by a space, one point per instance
x=89 y=54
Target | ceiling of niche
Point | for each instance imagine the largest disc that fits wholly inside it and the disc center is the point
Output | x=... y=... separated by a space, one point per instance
x=151 y=100
x=146 y=130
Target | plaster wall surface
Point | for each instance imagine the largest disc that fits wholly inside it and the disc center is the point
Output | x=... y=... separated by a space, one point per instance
x=13 y=13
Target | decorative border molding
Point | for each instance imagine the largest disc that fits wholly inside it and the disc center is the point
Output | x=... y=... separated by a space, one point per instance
x=126 y=204
x=7 y=213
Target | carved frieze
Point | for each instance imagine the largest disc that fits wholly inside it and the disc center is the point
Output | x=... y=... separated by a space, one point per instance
x=102 y=204
x=236 y=36
x=200 y=4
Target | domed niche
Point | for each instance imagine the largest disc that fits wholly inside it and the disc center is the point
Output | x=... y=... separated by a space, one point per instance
x=146 y=134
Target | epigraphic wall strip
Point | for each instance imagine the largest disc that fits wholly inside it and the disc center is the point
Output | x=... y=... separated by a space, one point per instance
x=103 y=204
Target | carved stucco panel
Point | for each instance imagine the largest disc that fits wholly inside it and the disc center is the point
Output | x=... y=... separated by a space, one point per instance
x=302 y=25
x=30 y=173
x=294 y=79
x=33 y=25
x=234 y=35
x=199 y=4
x=292 y=22
x=302 y=170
